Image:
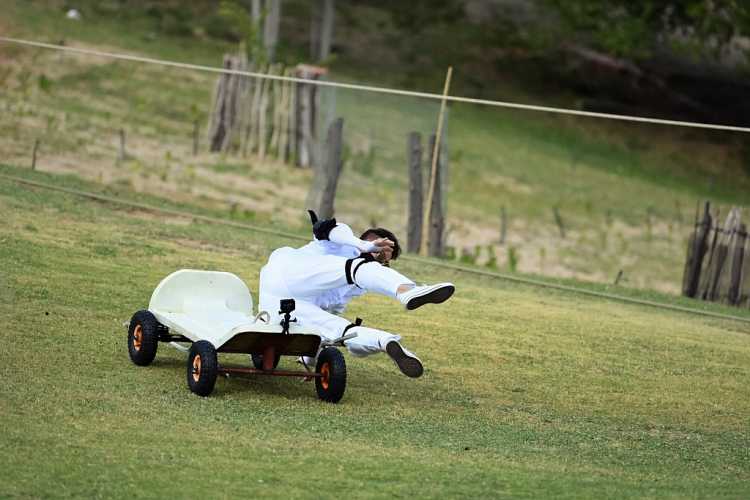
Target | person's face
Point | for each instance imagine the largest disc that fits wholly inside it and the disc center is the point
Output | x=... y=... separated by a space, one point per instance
x=384 y=257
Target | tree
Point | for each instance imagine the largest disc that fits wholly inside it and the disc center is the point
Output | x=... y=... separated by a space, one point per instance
x=635 y=28
x=321 y=29
x=258 y=28
x=272 y=18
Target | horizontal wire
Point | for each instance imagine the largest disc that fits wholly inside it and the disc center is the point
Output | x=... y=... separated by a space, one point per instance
x=381 y=90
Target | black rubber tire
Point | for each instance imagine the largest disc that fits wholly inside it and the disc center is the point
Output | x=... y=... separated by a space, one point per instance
x=143 y=338
x=331 y=363
x=208 y=368
x=257 y=360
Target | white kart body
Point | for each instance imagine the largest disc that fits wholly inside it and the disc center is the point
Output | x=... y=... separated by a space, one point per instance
x=209 y=305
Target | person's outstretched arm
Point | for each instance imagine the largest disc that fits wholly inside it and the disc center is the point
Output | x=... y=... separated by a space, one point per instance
x=343 y=235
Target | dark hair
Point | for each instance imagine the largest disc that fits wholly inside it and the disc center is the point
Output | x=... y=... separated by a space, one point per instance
x=384 y=233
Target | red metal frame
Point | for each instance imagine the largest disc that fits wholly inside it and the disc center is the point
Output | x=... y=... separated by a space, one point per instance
x=269 y=356
x=273 y=373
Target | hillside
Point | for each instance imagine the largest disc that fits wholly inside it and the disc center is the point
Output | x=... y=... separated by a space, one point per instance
x=527 y=392
x=627 y=194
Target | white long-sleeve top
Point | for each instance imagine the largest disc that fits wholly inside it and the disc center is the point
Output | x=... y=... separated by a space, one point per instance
x=341 y=242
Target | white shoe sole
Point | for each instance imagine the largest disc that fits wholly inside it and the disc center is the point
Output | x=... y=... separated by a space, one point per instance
x=409 y=365
x=433 y=295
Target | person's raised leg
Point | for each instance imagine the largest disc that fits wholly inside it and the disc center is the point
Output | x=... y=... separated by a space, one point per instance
x=307 y=276
x=374 y=277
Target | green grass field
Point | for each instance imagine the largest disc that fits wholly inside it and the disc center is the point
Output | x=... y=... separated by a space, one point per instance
x=527 y=392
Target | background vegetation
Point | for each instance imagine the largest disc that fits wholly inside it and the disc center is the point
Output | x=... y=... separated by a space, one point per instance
x=626 y=193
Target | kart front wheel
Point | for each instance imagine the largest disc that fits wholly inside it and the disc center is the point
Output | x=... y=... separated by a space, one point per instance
x=331 y=384
x=202 y=368
x=143 y=338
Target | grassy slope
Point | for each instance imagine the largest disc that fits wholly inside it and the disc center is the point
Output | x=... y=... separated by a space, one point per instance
x=627 y=193
x=527 y=392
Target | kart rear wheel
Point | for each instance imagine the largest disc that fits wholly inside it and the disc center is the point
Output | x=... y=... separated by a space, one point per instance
x=202 y=368
x=331 y=364
x=143 y=338
x=257 y=360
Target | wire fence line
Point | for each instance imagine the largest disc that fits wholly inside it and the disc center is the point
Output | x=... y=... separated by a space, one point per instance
x=408 y=258
x=381 y=90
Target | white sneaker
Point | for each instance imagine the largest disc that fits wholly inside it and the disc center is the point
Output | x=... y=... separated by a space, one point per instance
x=407 y=362
x=426 y=294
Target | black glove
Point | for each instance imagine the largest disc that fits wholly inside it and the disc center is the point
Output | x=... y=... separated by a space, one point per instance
x=321 y=228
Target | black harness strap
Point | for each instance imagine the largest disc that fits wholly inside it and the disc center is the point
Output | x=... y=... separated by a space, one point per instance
x=348 y=271
x=357 y=322
x=365 y=259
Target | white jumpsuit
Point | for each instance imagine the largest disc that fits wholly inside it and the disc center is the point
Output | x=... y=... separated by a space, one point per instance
x=315 y=276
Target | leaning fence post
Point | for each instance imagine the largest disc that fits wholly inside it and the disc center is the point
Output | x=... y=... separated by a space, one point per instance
x=323 y=189
x=416 y=203
x=436 y=222
x=618 y=277
x=435 y=155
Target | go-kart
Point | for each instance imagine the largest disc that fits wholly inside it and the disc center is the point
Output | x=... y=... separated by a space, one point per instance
x=205 y=313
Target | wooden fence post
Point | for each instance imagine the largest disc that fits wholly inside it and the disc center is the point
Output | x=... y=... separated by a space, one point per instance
x=265 y=96
x=323 y=189
x=697 y=247
x=434 y=177
x=736 y=259
x=252 y=130
x=723 y=287
x=225 y=101
x=291 y=139
x=618 y=277
x=196 y=137
x=121 y=154
x=33 y=154
x=703 y=283
x=436 y=222
x=559 y=221
x=743 y=299
x=719 y=257
x=277 y=113
x=307 y=114
x=503 y=225
x=416 y=186
x=216 y=128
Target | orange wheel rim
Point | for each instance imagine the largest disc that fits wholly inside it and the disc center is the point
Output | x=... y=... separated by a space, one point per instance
x=137 y=337
x=196 y=368
x=325 y=370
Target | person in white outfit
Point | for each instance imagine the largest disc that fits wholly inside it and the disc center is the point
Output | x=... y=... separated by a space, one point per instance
x=324 y=275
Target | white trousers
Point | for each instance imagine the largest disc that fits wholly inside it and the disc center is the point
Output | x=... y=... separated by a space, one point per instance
x=305 y=277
